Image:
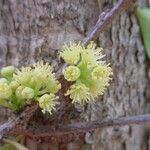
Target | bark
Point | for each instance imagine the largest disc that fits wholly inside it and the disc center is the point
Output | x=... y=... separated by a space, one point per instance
x=31 y=30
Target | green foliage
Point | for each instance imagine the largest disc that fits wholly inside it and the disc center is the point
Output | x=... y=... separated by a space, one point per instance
x=7 y=147
x=12 y=144
x=143 y=15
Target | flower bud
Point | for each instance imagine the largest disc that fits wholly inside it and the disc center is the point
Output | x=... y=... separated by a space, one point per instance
x=19 y=92
x=72 y=73
x=8 y=71
x=5 y=91
x=3 y=80
x=27 y=93
x=14 y=85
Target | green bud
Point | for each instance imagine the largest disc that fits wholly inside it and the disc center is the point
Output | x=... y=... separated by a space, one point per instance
x=5 y=91
x=3 y=80
x=19 y=91
x=27 y=93
x=14 y=85
x=8 y=71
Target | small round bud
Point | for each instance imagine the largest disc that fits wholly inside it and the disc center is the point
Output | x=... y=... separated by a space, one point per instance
x=5 y=91
x=14 y=85
x=8 y=71
x=3 y=80
x=19 y=92
x=27 y=93
x=72 y=73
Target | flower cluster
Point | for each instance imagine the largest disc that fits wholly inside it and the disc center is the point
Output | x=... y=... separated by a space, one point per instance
x=20 y=87
x=89 y=74
x=86 y=70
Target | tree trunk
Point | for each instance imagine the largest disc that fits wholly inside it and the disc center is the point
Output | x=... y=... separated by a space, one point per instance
x=32 y=30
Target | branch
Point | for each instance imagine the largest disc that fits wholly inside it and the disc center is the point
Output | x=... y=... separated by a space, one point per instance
x=4 y=128
x=106 y=18
x=91 y=126
x=23 y=117
x=104 y=21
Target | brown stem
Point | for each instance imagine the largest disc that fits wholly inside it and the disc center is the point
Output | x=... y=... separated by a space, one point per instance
x=22 y=118
x=91 y=126
x=106 y=18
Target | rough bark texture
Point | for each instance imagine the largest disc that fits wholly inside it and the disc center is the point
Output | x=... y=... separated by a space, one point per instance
x=31 y=30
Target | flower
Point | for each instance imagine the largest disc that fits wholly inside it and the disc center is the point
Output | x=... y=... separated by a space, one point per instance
x=23 y=76
x=42 y=71
x=98 y=87
x=72 y=73
x=92 y=56
x=8 y=71
x=71 y=53
x=28 y=84
x=52 y=85
x=44 y=77
x=5 y=91
x=79 y=93
x=101 y=72
x=47 y=103
x=88 y=70
x=27 y=93
x=39 y=77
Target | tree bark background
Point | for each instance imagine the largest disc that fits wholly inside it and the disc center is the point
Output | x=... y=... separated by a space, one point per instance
x=31 y=30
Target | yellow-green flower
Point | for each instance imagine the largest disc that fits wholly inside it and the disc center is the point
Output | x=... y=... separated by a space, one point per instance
x=28 y=84
x=47 y=103
x=101 y=72
x=23 y=76
x=42 y=71
x=72 y=73
x=98 y=87
x=71 y=53
x=5 y=91
x=53 y=85
x=44 y=77
x=79 y=93
x=39 y=77
x=88 y=70
x=92 y=56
